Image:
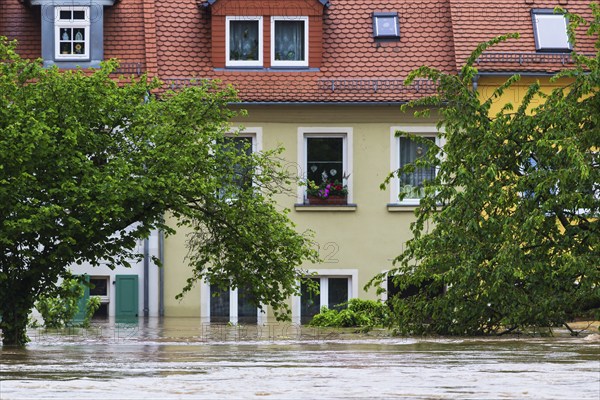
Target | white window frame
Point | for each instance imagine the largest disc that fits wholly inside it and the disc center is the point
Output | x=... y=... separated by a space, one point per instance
x=255 y=133
x=326 y=132
x=244 y=63
x=324 y=275
x=284 y=63
x=540 y=45
x=205 y=298
x=420 y=130
x=61 y=24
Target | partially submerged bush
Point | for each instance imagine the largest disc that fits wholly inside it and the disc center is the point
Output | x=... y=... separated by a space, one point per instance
x=358 y=313
x=59 y=310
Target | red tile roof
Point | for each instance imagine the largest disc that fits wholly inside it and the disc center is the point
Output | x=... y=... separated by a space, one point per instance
x=354 y=67
x=476 y=21
x=172 y=39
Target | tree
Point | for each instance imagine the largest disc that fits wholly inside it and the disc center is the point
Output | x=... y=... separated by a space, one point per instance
x=507 y=235
x=90 y=164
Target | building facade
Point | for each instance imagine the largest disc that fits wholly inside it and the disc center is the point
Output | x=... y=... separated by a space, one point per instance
x=323 y=79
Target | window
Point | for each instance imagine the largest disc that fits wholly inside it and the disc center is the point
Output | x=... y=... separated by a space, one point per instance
x=427 y=286
x=289 y=41
x=72 y=33
x=386 y=26
x=244 y=37
x=326 y=160
x=405 y=150
x=242 y=178
x=411 y=184
x=334 y=291
x=235 y=306
x=246 y=142
x=99 y=287
x=550 y=31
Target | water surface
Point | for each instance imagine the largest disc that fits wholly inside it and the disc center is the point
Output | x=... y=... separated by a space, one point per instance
x=184 y=359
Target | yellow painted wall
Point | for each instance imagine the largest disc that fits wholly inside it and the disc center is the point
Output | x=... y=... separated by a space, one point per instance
x=516 y=92
x=366 y=239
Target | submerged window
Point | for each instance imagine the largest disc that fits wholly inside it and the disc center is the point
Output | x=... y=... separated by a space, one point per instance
x=334 y=293
x=550 y=31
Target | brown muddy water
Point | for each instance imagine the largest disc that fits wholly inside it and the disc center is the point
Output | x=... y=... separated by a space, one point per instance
x=185 y=359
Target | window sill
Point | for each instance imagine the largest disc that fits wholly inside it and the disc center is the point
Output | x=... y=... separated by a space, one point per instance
x=72 y=64
x=399 y=207
x=319 y=208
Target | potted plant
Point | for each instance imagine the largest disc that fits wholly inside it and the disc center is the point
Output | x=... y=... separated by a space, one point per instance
x=328 y=192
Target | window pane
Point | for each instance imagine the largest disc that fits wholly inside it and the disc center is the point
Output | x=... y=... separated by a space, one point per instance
x=65 y=48
x=551 y=31
x=243 y=40
x=247 y=308
x=386 y=26
x=325 y=159
x=243 y=175
x=65 y=14
x=392 y=289
x=310 y=303
x=219 y=305
x=338 y=293
x=412 y=183
x=65 y=34
x=80 y=15
x=289 y=40
x=79 y=34
x=99 y=287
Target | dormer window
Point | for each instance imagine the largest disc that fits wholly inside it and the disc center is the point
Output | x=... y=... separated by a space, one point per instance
x=244 y=38
x=550 y=31
x=72 y=33
x=386 y=25
x=289 y=43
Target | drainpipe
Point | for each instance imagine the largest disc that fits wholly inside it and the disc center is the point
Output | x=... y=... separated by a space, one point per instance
x=475 y=82
x=161 y=273
x=146 y=277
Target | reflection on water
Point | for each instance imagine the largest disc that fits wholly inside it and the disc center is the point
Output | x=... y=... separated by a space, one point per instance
x=182 y=358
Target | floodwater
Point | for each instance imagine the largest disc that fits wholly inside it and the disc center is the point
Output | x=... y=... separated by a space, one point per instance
x=185 y=359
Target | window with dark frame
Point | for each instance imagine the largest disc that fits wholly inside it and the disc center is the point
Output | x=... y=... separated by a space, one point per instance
x=550 y=31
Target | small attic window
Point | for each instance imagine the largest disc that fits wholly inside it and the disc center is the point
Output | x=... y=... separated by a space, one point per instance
x=550 y=31
x=386 y=25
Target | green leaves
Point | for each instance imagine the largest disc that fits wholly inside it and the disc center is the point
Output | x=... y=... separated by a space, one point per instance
x=517 y=242
x=91 y=164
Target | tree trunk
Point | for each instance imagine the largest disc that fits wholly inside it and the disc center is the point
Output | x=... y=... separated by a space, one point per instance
x=14 y=311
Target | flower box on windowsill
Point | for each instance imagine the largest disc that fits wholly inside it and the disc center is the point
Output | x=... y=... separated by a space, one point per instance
x=331 y=200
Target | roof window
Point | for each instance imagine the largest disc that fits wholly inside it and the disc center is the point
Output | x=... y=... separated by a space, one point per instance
x=550 y=31
x=386 y=25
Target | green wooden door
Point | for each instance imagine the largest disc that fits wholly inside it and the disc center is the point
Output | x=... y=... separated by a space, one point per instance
x=126 y=296
x=80 y=316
